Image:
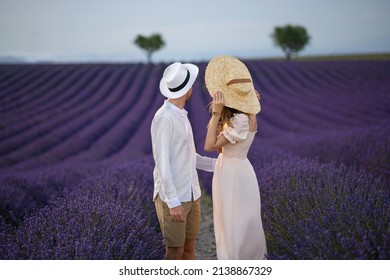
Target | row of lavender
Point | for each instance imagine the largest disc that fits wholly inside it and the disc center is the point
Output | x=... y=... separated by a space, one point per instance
x=314 y=210
x=310 y=211
x=90 y=121
x=83 y=212
x=75 y=120
x=84 y=208
x=75 y=113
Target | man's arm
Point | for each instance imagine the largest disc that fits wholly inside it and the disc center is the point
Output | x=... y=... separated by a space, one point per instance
x=162 y=130
x=205 y=163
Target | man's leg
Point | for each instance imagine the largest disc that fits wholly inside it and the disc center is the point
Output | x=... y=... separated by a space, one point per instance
x=173 y=232
x=192 y=230
x=189 y=250
x=181 y=253
x=174 y=253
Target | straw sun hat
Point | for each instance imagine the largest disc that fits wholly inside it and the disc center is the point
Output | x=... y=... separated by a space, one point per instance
x=230 y=76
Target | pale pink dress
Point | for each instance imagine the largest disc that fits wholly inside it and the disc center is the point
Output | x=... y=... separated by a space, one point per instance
x=238 y=226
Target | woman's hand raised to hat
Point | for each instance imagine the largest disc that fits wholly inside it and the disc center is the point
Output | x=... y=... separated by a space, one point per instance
x=218 y=102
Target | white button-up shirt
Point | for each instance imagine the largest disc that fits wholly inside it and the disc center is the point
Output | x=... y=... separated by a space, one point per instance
x=175 y=157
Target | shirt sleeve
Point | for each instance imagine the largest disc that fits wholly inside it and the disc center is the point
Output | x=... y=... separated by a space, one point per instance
x=240 y=129
x=205 y=163
x=162 y=137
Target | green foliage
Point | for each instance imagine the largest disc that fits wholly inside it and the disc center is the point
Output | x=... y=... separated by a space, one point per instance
x=291 y=39
x=150 y=44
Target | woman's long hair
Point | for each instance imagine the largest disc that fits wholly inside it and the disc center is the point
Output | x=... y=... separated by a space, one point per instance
x=226 y=115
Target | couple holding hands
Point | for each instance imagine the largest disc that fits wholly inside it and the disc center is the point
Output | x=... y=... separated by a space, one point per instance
x=238 y=226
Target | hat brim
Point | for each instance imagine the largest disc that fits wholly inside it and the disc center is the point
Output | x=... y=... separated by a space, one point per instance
x=249 y=104
x=215 y=79
x=194 y=70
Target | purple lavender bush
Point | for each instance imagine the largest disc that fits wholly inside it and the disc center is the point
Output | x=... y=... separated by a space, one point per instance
x=20 y=196
x=89 y=227
x=321 y=155
x=363 y=148
x=22 y=193
x=102 y=217
x=320 y=211
x=7 y=240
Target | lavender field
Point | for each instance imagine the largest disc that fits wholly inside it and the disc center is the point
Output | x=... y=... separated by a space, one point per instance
x=76 y=167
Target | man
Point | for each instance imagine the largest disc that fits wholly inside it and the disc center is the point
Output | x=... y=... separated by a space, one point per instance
x=176 y=186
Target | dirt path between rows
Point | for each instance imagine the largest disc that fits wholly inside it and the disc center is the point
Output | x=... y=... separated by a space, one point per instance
x=205 y=245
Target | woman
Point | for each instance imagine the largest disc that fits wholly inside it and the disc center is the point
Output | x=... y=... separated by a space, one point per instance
x=238 y=226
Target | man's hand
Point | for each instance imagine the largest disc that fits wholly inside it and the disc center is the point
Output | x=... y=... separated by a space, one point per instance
x=177 y=213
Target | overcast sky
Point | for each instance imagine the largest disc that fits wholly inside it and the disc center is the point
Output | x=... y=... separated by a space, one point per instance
x=97 y=30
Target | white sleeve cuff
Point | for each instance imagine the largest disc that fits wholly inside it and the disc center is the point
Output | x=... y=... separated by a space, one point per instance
x=174 y=202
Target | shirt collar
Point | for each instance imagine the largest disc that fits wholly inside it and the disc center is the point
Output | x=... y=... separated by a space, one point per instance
x=175 y=108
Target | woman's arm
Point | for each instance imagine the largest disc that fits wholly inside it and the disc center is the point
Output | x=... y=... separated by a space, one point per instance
x=213 y=142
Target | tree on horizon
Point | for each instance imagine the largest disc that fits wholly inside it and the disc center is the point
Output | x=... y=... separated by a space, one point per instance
x=149 y=44
x=291 y=39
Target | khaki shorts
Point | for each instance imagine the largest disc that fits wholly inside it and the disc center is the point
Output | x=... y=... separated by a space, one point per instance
x=175 y=233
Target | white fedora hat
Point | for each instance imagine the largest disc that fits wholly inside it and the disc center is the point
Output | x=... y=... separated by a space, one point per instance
x=177 y=79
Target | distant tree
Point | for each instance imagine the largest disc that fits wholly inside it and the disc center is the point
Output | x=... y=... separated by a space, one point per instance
x=291 y=39
x=149 y=44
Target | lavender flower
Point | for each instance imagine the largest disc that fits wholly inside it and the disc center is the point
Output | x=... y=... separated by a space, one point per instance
x=76 y=167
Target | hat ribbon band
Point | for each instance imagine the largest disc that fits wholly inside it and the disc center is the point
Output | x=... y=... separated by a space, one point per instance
x=238 y=81
x=182 y=85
